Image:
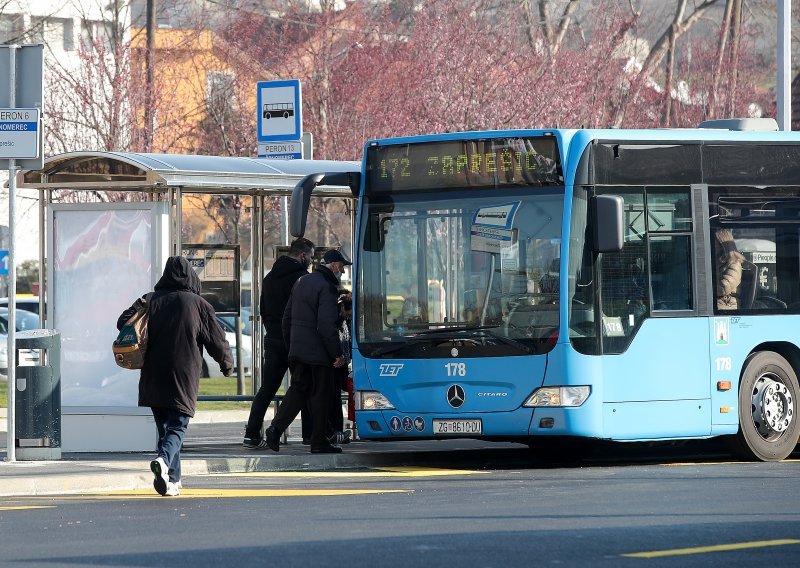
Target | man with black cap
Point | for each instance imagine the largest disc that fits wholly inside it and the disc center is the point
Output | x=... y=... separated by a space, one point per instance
x=275 y=294
x=310 y=328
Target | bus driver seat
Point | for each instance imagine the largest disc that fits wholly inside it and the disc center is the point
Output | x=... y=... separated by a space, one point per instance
x=749 y=286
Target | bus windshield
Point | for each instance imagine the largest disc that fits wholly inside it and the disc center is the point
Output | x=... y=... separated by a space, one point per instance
x=469 y=270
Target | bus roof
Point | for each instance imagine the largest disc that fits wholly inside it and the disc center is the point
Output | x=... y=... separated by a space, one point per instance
x=573 y=142
x=591 y=134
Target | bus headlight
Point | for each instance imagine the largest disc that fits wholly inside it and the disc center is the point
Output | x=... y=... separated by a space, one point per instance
x=372 y=400
x=558 y=396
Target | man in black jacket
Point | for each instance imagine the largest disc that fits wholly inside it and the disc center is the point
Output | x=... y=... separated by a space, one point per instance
x=310 y=328
x=275 y=294
x=180 y=325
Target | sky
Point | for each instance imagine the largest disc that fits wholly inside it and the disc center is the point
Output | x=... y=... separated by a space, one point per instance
x=27 y=221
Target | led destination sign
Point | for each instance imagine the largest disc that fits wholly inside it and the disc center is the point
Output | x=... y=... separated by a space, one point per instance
x=487 y=163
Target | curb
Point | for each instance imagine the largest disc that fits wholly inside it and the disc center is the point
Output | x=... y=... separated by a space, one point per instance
x=133 y=474
x=71 y=484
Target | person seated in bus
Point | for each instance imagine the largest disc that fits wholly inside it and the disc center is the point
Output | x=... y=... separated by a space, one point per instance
x=729 y=270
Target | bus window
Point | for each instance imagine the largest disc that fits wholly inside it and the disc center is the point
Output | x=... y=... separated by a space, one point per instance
x=756 y=247
x=623 y=277
x=670 y=272
x=669 y=210
x=582 y=327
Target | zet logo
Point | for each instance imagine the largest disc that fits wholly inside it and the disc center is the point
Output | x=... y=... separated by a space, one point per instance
x=390 y=369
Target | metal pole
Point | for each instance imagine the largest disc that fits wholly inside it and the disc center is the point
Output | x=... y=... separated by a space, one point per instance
x=150 y=64
x=255 y=290
x=784 y=64
x=11 y=454
x=285 y=219
x=178 y=221
x=42 y=255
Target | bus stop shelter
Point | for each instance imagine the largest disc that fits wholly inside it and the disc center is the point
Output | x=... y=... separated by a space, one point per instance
x=107 y=222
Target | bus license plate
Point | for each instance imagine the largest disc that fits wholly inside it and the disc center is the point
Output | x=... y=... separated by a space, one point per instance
x=457 y=426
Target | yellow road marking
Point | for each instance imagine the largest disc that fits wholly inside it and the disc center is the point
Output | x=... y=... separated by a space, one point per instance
x=230 y=493
x=20 y=507
x=377 y=472
x=716 y=548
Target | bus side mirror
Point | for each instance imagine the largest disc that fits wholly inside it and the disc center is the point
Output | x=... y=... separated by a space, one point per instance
x=607 y=223
x=301 y=195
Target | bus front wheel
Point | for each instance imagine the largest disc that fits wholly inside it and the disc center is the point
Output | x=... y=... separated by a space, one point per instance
x=768 y=421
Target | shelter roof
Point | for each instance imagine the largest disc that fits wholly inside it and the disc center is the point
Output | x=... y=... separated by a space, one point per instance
x=127 y=171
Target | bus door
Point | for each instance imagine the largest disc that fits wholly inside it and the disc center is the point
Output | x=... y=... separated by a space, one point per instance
x=655 y=348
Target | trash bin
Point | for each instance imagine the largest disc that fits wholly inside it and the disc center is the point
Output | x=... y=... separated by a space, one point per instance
x=38 y=396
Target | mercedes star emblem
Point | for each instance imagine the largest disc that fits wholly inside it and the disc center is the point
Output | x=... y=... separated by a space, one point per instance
x=456 y=396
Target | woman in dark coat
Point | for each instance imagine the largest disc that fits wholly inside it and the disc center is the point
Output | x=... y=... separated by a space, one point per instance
x=181 y=324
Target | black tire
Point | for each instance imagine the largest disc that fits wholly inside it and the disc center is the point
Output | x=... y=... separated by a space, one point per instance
x=768 y=422
x=285 y=114
x=204 y=374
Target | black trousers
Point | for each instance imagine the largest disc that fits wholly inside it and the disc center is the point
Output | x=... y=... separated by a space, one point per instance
x=335 y=416
x=276 y=363
x=312 y=384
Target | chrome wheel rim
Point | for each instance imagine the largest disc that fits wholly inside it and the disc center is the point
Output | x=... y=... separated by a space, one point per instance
x=772 y=406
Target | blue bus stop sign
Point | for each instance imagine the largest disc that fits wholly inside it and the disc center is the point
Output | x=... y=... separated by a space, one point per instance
x=279 y=116
x=3 y=262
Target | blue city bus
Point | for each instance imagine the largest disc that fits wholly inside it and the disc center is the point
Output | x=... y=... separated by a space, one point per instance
x=544 y=286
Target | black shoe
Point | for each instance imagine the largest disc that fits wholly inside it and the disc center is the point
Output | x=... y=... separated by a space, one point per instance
x=254 y=443
x=338 y=438
x=329 y=449
x=272 y=439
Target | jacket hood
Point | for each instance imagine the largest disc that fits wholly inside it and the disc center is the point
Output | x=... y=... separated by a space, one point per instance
x=286 y=265
x=178 y=275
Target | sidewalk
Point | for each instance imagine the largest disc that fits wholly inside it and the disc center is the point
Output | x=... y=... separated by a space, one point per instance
x=213 y=444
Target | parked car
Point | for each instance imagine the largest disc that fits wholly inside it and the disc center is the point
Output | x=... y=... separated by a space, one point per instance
x=29 y=303
x=228 y=323
x=25 y=320
x=211 y=367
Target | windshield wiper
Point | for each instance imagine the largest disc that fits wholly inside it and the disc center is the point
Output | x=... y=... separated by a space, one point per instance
x=398 y=346
x=485 y=331
x=503 y=339
x=454 y=329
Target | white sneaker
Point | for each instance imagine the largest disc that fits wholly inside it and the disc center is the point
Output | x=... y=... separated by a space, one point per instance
x=161 y=472
x=173 y=489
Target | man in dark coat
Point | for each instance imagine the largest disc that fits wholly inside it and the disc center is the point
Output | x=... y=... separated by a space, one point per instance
x=180 y=325
x=275 y=294
x=310 y=327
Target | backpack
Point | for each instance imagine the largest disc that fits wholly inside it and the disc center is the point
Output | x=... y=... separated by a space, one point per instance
x=130 y=345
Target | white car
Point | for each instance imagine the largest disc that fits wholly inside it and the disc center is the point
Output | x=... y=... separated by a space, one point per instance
x=25 y=320
x=211 y=368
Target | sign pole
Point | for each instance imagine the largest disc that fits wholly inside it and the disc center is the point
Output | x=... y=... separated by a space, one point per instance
x=11 y=438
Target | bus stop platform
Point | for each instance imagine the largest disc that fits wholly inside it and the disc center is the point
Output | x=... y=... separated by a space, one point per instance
x=213 y=446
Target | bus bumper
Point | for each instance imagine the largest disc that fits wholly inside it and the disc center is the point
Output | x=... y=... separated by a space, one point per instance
x=519 y=423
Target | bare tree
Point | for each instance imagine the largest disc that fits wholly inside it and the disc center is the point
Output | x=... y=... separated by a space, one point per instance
x=681 y=23
x=543 y=19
